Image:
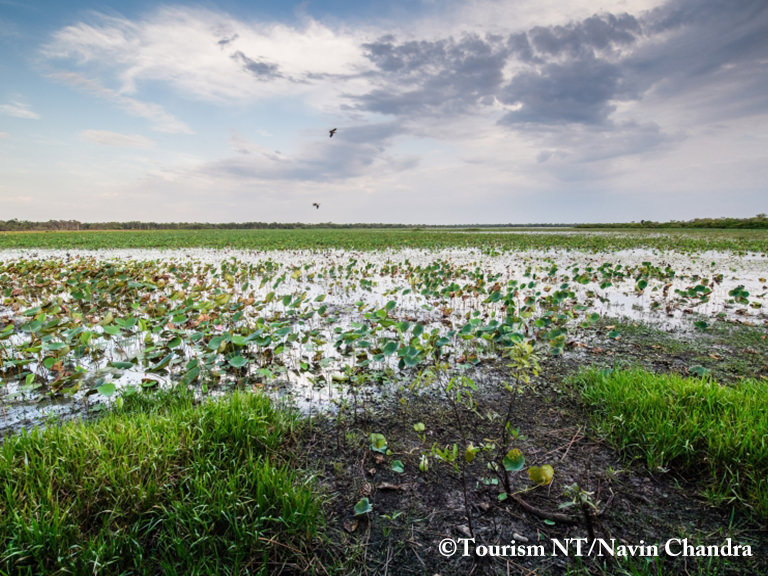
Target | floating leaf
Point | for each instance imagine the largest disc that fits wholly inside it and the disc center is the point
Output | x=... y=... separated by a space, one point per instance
x=541 y=475
x=389 y=348
x=190 y=375
x=162 y=363
x=239 y=340
x=237 y=361
x=107 y=389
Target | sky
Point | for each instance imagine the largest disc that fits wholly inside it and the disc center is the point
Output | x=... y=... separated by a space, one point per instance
x=447 y=111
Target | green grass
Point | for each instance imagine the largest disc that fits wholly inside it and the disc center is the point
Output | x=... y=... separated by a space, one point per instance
x=695 y=426
x=372 y=239
x=164 y=488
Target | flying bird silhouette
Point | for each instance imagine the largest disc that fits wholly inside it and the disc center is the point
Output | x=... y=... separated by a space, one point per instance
x=316 y=205
x=332 y=132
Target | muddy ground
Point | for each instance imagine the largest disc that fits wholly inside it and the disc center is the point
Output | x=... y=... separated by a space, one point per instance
x=414 y=511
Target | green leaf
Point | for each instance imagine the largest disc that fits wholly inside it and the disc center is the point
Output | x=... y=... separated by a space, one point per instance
x=397 y=466
x=121 y=365
x=699 y=371
x=541 y=475
x=419 y=427
x=112 y=330
x=162 y=363
x=389 y=348
x=239 y=340
x=190 y=375
x=514 y=460
x=363 y=507
x=107 y=389
x=378 y=443
x=237 y=361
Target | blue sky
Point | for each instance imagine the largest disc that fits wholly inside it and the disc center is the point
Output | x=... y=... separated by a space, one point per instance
x=474 y=111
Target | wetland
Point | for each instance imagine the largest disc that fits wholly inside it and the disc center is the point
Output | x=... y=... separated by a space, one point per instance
x=443 y=385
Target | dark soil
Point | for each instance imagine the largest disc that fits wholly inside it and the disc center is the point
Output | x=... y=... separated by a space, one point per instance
x=415 y=510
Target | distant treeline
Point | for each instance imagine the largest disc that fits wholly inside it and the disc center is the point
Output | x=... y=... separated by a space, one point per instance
x=759 y=221
x=756 y=222
x=24 y=225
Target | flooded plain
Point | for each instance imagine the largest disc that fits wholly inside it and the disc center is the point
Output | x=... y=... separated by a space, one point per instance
x=79 y=327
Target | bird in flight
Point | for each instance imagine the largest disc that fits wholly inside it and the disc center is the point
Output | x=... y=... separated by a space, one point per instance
x=332 y=132
x=316 y=205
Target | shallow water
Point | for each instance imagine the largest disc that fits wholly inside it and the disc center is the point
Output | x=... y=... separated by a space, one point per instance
x=659 y=303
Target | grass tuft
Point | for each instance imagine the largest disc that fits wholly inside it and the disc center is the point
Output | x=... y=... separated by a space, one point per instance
x=169 y=487
x=689 y=424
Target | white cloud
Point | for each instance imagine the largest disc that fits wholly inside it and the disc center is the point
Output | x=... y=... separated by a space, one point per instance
x=107 y=138
x=209 y=55
x=161 y=120
x=19 y=110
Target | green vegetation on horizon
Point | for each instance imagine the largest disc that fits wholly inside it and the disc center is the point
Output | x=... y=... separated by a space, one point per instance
x=760 y=221
x=694 y=426
x=165 y=487
x=756 y=222
x=377 y=239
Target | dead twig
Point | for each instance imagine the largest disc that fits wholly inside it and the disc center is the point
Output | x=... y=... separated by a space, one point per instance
x=555 y=516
